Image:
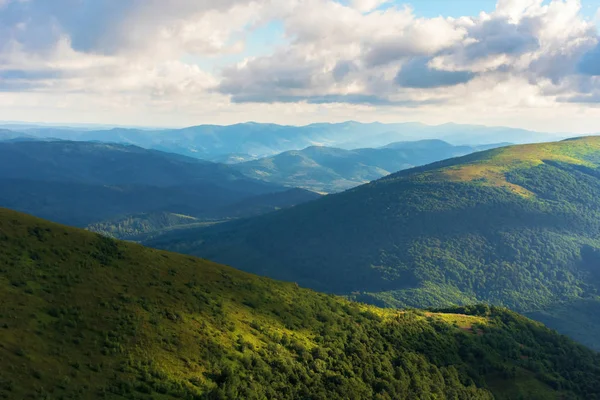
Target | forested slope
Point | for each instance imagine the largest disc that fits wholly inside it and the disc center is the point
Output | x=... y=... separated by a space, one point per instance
x=517 y=226
x=86 y=317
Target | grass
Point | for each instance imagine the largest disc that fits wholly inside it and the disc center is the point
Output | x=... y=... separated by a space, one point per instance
x=490 y=168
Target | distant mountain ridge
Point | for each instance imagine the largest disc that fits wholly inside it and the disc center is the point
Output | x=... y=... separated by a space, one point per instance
x=327 y=169
x=517 y=226
x=259 y=140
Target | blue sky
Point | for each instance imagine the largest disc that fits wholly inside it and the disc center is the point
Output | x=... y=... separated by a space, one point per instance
x=458 y=8
x=525 y=63
x=449 y=8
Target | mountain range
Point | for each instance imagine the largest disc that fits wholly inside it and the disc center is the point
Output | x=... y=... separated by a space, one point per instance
x=81 y=183
x=517 y=226
x=252 y=140
x=327 y=169
x=129 y=192
x=84 y=316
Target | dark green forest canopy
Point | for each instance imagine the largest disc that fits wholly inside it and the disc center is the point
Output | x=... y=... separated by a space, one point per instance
x=517 y=226
x=84 y=317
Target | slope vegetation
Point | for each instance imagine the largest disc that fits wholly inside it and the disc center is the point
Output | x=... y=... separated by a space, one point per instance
x=85 y=317
x=517 y=226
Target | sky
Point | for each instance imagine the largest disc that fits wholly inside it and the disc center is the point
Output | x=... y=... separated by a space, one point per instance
x=533 y=64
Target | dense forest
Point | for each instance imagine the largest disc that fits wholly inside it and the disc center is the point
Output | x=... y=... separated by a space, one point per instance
x=85 y=316
x=517 y=227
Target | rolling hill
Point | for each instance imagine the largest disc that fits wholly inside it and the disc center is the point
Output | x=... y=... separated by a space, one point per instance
x=83 y=316
x=80 y=183
x=327 y=169
x=517 y=226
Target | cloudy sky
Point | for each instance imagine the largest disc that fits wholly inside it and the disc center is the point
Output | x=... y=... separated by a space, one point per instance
x=524 y=63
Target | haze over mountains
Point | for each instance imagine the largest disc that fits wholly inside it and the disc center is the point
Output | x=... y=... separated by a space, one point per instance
x=516 y=226
x=259 y=140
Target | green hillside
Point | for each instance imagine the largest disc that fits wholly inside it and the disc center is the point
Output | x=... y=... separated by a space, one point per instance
x=517 y=226
x=86 y=317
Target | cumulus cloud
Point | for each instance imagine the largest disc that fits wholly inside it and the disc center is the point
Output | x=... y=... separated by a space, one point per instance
x=118 y=47
x=342 y=52
x=358 y=53
x=115 y=26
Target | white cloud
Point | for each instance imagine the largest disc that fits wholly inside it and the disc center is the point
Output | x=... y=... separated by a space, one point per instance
x=339 y=60
x=382 y=57
x=367 y=5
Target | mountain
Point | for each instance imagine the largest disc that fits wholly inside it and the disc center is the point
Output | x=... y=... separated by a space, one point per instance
x=326 y=169
x=84 y=316
x=517 y=226
x=215 y=142
x=140 y=227
x=80 y=183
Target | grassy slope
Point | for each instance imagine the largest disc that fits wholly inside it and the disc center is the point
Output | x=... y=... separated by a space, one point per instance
x=83 y=316
x=491 y=167
x=517 y=226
